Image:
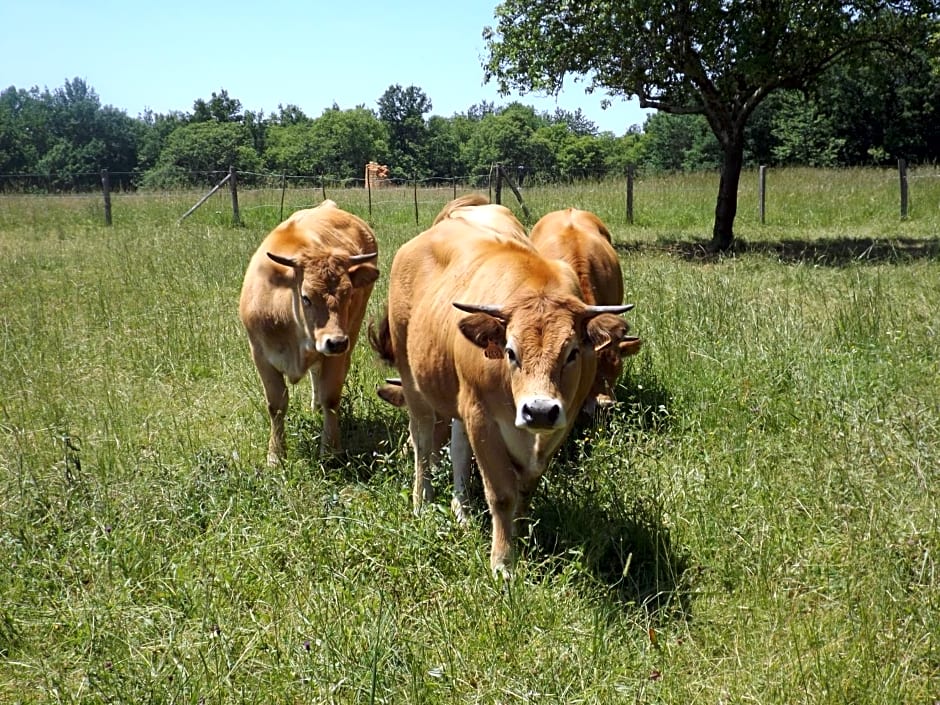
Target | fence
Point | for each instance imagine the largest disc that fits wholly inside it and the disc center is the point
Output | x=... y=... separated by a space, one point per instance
x=392 y=190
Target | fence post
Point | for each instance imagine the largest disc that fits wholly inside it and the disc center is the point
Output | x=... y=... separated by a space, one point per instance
x=762 y=192
x=283 y=188
x=902 y=174
x=236 y=217
x=631 y=173
x=323 y=187
x=106 y=188
x=416 y=199
x=498 y=191
x=369 y=191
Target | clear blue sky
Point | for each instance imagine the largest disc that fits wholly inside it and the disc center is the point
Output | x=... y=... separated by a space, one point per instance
x=164 y=55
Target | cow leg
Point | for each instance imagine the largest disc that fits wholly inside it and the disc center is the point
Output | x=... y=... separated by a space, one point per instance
x=501 y=486
x=327 y=381
x=460 y=455
x=426 y=438
x=276 y=394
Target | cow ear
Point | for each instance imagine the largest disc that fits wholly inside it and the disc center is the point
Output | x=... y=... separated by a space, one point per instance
x=605 y=330
x=286 y=261
x=629 y=346
x=363 y=274
x=485 y=332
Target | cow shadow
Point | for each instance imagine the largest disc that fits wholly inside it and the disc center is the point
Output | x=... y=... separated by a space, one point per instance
x=372 y=438
x=623 y=545
x=832 y=252
x=620 y=539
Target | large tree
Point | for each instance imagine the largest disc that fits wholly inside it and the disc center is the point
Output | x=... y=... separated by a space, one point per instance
x=403 y=110
x=718 y=58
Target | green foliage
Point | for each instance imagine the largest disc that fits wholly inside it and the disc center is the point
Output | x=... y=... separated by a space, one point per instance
x=337 y=144
x=205 y=148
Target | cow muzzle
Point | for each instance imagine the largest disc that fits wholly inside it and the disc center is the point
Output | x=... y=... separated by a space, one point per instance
x=333 y=344
x=540 y=414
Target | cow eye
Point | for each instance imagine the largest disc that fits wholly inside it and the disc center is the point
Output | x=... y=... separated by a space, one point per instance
x=305 y=299
x=511 y=356
x=572 y=356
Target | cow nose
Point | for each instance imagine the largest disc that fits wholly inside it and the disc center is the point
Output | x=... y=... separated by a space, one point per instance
x=540 y=413
x=337 y=344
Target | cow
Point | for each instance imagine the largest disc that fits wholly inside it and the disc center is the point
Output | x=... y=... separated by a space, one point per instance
x=581 y=239
x=488 y=333
x=302 y=303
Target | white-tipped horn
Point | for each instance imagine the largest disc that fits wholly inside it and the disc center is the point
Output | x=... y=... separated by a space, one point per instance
x=359 y=259
x=598 y=310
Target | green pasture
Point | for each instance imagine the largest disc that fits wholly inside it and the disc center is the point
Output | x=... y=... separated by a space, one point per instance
x=757 y=521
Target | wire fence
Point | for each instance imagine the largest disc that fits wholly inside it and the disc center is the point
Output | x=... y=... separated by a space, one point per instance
x=270 y=197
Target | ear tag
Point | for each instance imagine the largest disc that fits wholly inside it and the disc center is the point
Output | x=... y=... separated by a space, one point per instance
x=492 y=351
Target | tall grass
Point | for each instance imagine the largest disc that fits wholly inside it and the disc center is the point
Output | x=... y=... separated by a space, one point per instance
x=757 y=520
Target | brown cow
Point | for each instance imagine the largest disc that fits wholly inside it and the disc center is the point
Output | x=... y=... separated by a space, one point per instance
x=582 y=240
x=487 y=332
x=302 y=304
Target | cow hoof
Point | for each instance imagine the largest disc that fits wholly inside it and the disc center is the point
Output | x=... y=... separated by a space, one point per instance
x=502 y=572
x=461 y=513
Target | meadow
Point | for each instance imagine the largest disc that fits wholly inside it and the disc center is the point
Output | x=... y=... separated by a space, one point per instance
x=756 y=521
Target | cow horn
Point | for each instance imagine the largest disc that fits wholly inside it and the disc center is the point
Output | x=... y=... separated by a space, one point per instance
x=592 y=311
x=488 y=309
x=359 y=259
x=286 y=261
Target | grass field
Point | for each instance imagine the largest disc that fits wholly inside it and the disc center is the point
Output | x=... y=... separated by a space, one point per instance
x=758 y=521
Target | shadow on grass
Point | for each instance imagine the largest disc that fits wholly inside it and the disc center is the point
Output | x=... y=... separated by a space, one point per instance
x=588 y=515
x=365 y=437
x=625 y=546
x=833 y=252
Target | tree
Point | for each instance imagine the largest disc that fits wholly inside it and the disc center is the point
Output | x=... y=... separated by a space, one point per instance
x=206 y=148
x=717 y=58
x=220 y=108
x=402 y=110
x=337 y=144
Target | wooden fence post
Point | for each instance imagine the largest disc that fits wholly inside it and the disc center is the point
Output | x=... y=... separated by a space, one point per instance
x=762 y=192
x=283 y=188
x=106 y=188
x=902 y=174
x=631 y=173
x=369 y=192
x=416 y=198
x=236 y=216
x=498 y=191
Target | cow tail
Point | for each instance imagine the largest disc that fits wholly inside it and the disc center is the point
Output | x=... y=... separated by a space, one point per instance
x=380 y=338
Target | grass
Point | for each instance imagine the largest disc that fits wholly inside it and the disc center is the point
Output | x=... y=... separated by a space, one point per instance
x=757 y=521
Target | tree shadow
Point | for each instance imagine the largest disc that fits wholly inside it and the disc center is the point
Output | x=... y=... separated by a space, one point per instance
x=832 y=252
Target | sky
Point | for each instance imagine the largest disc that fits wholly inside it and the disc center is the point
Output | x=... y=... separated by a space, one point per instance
x=165 y=55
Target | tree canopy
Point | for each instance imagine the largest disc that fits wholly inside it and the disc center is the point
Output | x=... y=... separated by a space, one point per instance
x=717 y=58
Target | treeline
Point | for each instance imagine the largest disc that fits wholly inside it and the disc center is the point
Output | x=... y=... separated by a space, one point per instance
x=857 y=115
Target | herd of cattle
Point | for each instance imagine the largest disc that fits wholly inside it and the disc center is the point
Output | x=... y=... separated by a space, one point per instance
x=500 y=338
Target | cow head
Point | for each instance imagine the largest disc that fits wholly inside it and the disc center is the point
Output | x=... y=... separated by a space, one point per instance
x=323 y=293
x=548 y=351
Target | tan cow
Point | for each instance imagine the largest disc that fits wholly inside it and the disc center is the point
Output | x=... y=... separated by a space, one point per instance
x=486 y=331
x=582 y=240
x=302 y=304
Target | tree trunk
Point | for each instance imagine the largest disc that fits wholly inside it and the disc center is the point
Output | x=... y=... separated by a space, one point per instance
x=727 y=206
